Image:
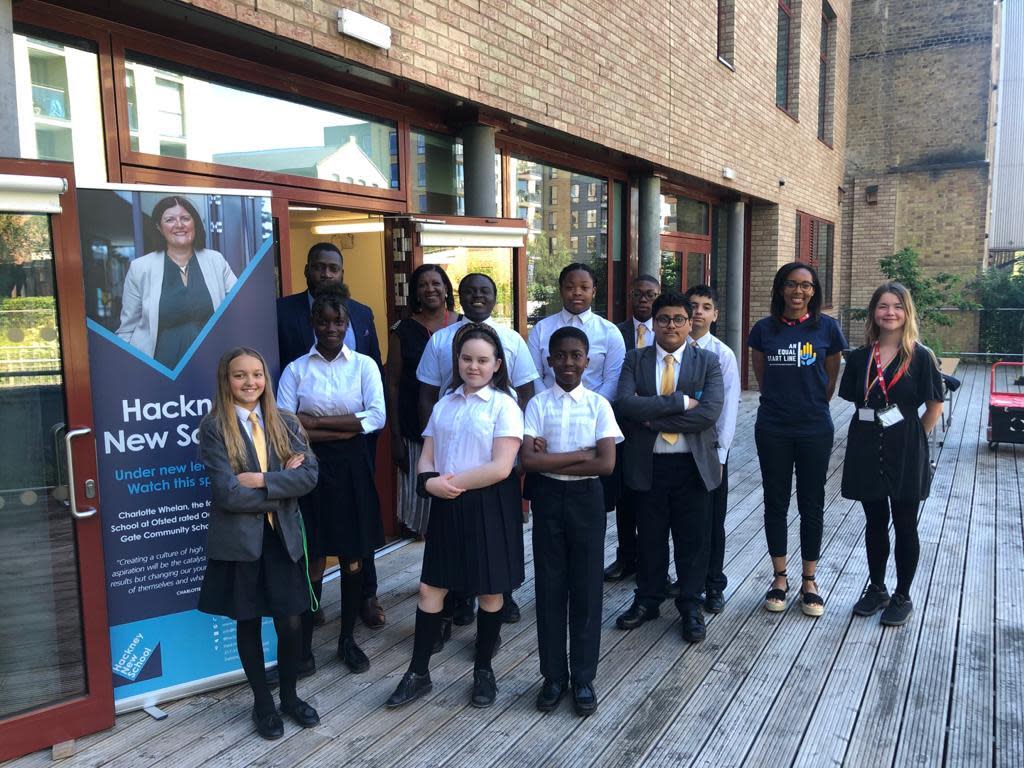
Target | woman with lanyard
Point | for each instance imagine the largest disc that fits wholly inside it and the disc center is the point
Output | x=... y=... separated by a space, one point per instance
x=431 y=308
x=887 y=467
x=795 y=353
x=339 y=398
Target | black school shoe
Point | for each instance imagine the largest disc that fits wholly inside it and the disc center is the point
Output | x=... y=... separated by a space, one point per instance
x=619 y=570
x=410 y=688
x=714 y=601
x=352 y=655
x=636 y=615
x=584 y=699
x=694 y=630
x=268 y=724
x=464 y=613
x=873 y=600
x=550 y=694
x=510 y=613
x=897 y=613
x=301 y=713
x=485 y=689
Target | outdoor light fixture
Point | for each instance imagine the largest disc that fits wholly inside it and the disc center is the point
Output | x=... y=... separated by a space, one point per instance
x=364 y=28
x=728 y=173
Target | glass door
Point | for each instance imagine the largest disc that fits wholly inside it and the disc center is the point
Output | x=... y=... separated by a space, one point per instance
x=54 y=651
x=683 y=269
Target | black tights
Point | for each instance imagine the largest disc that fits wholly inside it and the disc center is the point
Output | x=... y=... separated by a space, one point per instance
x=250 y=651
x=876 y=540
x=351 y=595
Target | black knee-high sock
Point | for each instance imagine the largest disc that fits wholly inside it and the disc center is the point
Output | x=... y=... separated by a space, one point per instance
x=307 y=622
x=249 y=638
x=487 y=627
x=427 y=627
x=289 y=646
x=351 y=594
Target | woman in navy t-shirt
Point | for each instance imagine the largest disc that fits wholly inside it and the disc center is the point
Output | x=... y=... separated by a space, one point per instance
x=795 y=353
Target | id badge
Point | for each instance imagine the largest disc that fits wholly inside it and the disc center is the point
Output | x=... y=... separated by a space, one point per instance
x=866 y=414
x=889 y=416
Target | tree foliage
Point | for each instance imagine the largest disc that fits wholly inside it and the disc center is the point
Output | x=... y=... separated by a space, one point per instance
x=999 y=291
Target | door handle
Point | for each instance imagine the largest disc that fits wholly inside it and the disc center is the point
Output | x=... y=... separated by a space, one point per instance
x=77 y=513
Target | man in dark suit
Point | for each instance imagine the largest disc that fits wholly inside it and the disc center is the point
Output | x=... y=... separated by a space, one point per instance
x=668 y=400
x=638 y=331
x=326 y=266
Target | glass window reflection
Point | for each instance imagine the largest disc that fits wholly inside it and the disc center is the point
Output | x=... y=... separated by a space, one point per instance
x=437 y=174
x=177 y=114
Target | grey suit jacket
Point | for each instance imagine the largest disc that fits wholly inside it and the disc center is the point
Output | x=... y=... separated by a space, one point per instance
x=643 y=413
x=236 y=515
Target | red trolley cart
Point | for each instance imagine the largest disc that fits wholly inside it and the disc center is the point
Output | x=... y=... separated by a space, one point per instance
x=1005 y=411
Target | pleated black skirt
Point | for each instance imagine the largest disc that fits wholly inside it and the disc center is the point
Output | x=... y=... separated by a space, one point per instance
x=342 y=514
x=474 y=543
x=272 y=586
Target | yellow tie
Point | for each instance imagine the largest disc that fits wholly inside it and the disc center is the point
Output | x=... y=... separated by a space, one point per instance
x=259 y=442
x=641 y=336
x=668 y=386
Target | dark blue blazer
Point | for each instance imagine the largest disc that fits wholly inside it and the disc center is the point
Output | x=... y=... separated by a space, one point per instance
x=295 y=332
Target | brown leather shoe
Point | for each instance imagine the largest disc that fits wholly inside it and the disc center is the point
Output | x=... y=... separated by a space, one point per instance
x=372 y=614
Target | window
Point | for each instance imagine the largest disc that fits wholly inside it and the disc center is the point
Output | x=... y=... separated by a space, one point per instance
x=592 y=192
x=826 y=74
x=437 y=181
x=57 y=89
x=183 y=114
x=682 y=214
x=815 y=245
x=726 y=31
x=555 y=220
x=787 y=56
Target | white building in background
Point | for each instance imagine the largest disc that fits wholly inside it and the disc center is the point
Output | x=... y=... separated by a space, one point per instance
x=1006 y=228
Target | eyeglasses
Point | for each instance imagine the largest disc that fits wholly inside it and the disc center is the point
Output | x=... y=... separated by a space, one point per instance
x=792 y=285
x=649 y=295
x=676 y=320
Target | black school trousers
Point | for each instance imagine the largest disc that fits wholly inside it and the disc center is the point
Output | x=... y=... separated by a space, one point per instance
x=716 y=578
x=568 y=561
x=780 y=456
x=680 y=504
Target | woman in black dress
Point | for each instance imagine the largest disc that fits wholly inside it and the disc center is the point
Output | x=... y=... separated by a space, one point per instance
x=431 y=308
x=887 y=467
x=339 y=398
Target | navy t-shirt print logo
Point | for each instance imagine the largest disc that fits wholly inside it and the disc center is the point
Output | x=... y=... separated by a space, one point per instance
x=807 y=354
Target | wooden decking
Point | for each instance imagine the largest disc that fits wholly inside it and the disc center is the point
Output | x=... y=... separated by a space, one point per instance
x=762 y=690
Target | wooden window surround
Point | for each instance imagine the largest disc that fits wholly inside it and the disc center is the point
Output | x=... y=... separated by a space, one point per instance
x=816 y=245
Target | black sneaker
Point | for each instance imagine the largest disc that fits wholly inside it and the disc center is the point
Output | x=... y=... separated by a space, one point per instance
x=873 y=600
x=897 y=613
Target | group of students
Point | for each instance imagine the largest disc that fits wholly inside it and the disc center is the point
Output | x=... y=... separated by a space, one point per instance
x=576 y=425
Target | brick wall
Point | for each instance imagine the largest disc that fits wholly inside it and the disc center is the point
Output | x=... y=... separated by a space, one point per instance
x=641 y=77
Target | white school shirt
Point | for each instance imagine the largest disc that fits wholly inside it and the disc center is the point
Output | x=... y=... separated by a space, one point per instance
x=243 y=415
x=660 y=444
x=648 y=337
x=726 y=424
x=348 y=384
x=464 y=427
x=435 y=366
x=607 y=350
x=570 y=421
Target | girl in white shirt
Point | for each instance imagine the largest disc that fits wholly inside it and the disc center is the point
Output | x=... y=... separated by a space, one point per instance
x=339 y=398
x=474 y=542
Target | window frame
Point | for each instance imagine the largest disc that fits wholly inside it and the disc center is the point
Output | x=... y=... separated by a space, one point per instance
x=808 y=227
x=725 y=48
x=826 y=76
x=791 y=9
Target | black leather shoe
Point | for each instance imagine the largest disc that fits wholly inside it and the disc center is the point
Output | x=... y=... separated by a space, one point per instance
x=714 y=601
x=268 y=725
x=693 y=627
x=301 y=713
x=372 y=613
x=584 y=699
x=671 y=589
x=443 y=636
x=637 y=614
x=410 y=688
x=550 y=694
x=306 y=667
x=510 y=613
x=465 y=612
x=352 y=655
x=619 y=570
x=484 y=688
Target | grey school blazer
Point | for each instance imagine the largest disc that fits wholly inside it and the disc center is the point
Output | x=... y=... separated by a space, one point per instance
x=643 y=413
x=237 y=513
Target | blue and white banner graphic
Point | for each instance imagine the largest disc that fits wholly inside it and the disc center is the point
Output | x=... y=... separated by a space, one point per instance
x=173 y=278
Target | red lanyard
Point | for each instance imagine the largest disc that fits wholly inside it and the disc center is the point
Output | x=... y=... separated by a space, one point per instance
x=876 y=357
x=792 y=323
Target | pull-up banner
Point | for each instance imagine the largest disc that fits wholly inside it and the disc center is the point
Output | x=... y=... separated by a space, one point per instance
x=173 y=279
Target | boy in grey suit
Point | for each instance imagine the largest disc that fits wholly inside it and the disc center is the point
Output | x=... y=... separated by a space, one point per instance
x=668 y=400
